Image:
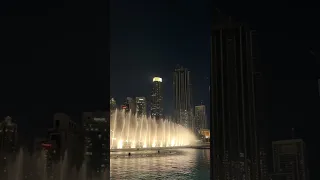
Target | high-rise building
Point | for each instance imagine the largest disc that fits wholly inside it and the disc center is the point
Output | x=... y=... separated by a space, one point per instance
x=156 y=98
x=289 y=160
x=200 y=118
x=141 y=106
x=182 y=97
x=64 y=138
x=130 y=105
x=237 y=106
x=97 y=142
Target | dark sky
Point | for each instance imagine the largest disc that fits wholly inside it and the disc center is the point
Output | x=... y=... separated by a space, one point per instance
x=149 y=38
x=54 y=58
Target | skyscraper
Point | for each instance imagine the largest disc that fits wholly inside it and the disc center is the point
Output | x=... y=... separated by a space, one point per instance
x=130 y=105
x=236 y=99
x=182 y=97
x=156 y=98
x=200 y=118
x=97 y=141
x=141 y=106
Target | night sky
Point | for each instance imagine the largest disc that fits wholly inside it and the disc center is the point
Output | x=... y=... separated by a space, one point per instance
x=149 y=38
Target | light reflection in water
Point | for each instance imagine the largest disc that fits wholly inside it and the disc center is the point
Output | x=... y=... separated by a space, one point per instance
x=187 y=164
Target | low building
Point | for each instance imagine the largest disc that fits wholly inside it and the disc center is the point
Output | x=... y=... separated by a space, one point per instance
x=205 y=133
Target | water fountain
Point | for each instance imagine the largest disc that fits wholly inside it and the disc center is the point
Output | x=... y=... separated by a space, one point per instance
x=127 y=131
x=23 y=167
x=130 y=131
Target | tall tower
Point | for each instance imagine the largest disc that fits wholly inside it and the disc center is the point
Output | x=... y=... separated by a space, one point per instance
x=130 y=104
x=141 y=106
x=200 y=118
x=156 y=98
x=182 y=97
x=237 y=106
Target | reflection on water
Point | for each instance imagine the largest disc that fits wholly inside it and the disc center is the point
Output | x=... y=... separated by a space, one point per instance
x=188 y=164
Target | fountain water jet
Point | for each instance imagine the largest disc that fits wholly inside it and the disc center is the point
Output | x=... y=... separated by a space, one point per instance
x=131 y=131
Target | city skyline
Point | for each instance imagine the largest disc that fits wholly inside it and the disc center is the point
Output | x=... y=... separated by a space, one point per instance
x=62 y=58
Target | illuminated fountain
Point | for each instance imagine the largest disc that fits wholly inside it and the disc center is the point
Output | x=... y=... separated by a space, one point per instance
x=130 y=131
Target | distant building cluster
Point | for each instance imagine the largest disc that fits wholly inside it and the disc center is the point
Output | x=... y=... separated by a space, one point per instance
x=184 y=112
x=84 y=145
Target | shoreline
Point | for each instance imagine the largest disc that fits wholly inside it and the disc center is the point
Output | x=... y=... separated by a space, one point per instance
x=205 y=146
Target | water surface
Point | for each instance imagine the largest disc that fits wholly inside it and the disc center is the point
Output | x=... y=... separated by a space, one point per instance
x=185 y=164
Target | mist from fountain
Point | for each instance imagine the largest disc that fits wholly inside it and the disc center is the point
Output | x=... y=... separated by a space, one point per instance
x=24 y=167
x=130 y=131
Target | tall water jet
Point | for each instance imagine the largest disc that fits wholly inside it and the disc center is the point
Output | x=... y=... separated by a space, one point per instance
x=130 y=131
x=83 y=171
x=19 y=166
x=63 y=166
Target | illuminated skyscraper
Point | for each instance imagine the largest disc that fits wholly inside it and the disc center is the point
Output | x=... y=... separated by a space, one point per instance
x=156 y=98
x=200 y=118
x=182 y=97
x=237 y=97
x=141 y=106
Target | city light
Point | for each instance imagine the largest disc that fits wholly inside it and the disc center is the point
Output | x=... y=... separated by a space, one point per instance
x=157 y=79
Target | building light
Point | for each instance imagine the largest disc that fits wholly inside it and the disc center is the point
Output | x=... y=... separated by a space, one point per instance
x=46 y=145
x=157 y=79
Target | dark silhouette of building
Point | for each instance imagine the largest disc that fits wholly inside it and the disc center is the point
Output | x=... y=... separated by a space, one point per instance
x=97 y=141
x=64 y=138
x=237 y=104
x=130 y=105
x=289 y=160
x=8 y=144
x=182 y=97
x=156 y=98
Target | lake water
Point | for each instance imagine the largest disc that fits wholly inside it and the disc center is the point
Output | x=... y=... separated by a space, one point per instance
x=179 y=164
